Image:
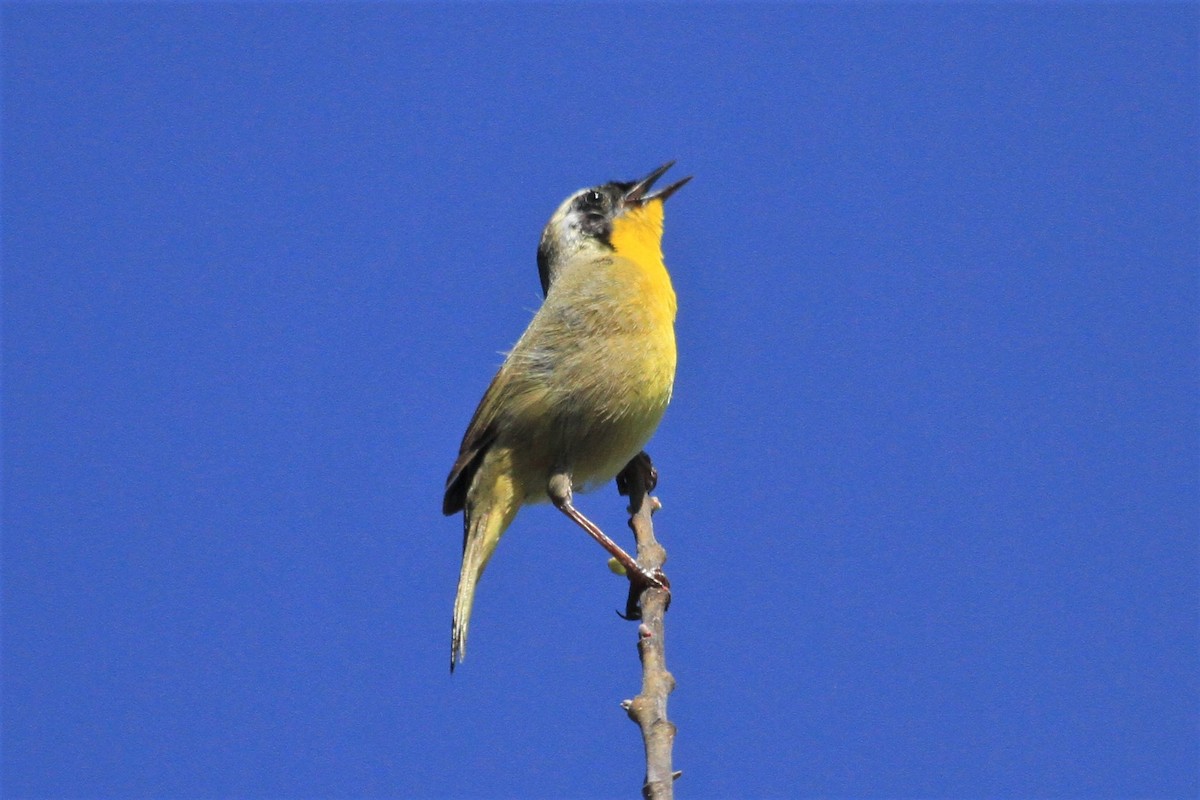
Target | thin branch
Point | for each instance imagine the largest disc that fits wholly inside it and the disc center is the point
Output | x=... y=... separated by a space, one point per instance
x=649 y=708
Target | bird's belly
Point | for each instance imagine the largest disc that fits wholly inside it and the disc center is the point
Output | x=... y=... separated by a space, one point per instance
x=605 y=448
x=590 y=425
x=608 y=415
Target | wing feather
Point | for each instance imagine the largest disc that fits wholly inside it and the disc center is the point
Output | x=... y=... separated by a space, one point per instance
x=481 y=432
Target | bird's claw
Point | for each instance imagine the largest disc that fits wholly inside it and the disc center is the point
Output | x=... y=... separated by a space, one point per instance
x=640 y=581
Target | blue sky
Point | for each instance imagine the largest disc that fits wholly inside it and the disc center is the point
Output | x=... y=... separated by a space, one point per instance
x=930 y=475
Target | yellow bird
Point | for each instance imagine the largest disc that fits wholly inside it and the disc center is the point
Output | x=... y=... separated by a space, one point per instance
x=585 y=386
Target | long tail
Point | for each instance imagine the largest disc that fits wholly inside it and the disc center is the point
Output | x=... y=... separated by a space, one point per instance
x=483 y=524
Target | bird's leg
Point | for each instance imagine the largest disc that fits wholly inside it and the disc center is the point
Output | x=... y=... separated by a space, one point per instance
x=559 y=489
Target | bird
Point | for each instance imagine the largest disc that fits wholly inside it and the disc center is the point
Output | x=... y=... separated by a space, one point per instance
x=584 y=388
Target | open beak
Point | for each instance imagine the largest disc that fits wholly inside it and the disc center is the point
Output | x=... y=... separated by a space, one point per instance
x=637 y=195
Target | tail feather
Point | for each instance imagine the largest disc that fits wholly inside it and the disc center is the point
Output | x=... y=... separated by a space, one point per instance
x=482 y=529
x=472 y=568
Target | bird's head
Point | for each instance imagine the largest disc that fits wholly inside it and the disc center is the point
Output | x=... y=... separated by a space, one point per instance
x=615 y=216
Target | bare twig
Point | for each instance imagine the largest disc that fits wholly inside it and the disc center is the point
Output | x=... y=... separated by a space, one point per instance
x=649 y=708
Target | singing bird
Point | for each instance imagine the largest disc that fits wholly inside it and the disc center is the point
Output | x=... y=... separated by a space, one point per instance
x=585 y=386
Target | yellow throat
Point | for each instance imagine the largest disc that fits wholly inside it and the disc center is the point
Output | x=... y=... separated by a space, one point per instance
x=637 y=236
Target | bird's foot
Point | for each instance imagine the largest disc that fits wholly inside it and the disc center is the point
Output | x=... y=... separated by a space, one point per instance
x=640 y=467
x=639 y=581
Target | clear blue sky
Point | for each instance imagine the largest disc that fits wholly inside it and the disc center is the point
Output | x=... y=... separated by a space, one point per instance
x=930 y=477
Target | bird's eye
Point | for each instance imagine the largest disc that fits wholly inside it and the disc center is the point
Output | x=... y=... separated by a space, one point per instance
x=593 y=198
